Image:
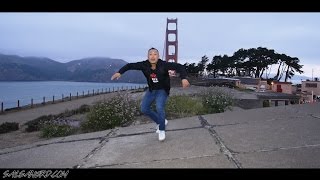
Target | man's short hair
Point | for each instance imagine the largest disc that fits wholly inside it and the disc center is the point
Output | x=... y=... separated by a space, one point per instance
x=153 y=49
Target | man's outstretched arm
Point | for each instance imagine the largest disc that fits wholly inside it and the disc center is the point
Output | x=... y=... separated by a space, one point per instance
x=127 y=67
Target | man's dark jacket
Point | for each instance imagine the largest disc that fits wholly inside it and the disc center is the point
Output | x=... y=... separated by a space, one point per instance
x=161 y=69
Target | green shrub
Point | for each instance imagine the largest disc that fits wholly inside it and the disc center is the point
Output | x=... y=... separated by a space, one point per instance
x=36 y=124
x=110 y=113
x=184 y=106
x=66 y=113
x=54 y=130
x=8 y=127
x=216 y=100
x=266 y=103
x=82 y=109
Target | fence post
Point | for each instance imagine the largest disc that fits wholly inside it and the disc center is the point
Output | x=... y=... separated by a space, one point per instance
x=70 y=96
x=109 y=89
x=93 y=92
x=82 y=93
x=112 y=89
x=44 y=100
x=31 y=102
x=52 y=99
x=88 y=92
x=1 y=107
x=77 y=95
x=98 y=92
x=62 y=98
x=18 y=103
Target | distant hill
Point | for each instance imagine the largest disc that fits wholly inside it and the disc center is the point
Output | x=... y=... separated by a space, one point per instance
x=95 y=69
x=296 y=77
x=299 y=77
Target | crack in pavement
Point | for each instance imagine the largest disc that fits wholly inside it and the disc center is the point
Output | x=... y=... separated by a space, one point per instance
x=156 y=160
x=90 y=139
x=222 y=125
x=58 y=142
x=223 y=148
x=314 y=116
x=105 y=139
x=102 y=142
x=112 y=134
x=279 y=148
x=152 y=132
x=142 y=133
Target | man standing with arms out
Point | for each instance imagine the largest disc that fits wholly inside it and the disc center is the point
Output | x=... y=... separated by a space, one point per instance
x=156 y=72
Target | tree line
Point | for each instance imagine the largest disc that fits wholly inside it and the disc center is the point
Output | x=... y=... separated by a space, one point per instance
x=253 y=62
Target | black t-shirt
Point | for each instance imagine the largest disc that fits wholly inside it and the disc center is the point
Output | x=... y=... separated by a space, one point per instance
x=155 y=83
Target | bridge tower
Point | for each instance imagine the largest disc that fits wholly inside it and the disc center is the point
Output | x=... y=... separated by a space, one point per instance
x=171 y=44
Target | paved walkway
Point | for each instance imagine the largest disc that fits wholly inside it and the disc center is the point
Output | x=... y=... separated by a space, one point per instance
x=26 y=115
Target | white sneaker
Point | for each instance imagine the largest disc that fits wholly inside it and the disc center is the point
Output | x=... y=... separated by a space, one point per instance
x=162 y=135
x=165 y=122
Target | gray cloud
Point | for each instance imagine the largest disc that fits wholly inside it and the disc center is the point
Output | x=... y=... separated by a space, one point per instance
x=68 y=36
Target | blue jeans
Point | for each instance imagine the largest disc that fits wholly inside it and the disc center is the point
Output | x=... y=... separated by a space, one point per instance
x=160 y=96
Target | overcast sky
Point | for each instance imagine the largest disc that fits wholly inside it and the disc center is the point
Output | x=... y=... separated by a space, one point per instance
x=68 y=36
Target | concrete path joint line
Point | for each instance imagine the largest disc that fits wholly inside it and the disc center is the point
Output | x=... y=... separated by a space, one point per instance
x=152 y=132
x=219 y=141
x=103 y=141
x=277 y=149
x=58 y=142
x=156 y=160
x=314 y=116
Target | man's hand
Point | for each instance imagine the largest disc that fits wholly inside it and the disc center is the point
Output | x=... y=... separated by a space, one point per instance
x=116 y=76
x=185 y=83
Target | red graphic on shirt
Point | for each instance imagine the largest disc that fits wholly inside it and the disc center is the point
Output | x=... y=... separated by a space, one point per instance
x=154 y=78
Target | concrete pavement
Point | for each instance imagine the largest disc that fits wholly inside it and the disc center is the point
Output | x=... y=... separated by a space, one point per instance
x=274 y=137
